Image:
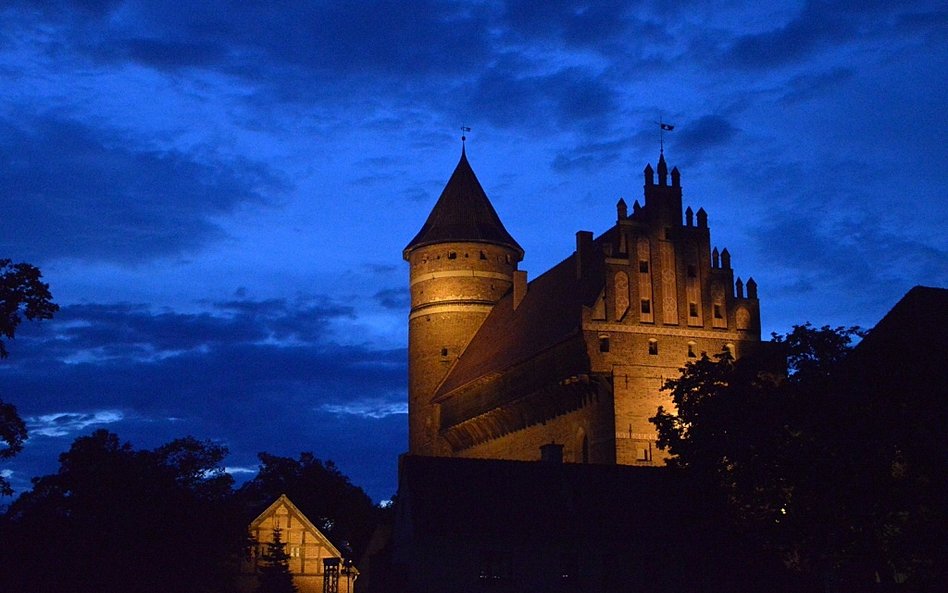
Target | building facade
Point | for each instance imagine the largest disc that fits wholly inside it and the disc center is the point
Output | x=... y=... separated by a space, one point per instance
x=317 y=565
x=499 y=366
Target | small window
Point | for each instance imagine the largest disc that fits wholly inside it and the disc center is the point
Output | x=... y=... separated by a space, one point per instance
x=691 y=350
x=692 y=309
x=466 y=255
x=643 y=266
x=653 y=347
x=717 y=312
x=646 y=306
x=604 y=343
x=295 y=552
x=452 y=255
x=692 y=271
x=483 y=255
x=444 y=352
x=507 y=257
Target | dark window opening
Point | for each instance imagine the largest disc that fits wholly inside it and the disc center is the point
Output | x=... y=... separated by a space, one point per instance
x=604 y=344
x=646 y=306
x=653 y=347
x=692 y=309
x=444 y=352
x=643 y=266
x=691 y=351
x=483 y=255
x=452 y=255
x=717 y=312
x=692 y=271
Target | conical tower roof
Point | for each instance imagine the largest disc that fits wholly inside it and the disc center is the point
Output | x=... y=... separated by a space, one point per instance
x=463 y=214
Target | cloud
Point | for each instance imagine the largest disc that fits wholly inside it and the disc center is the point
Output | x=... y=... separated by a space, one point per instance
x=69 y=423
x=707 y=132
x=71 y=190
x=396 y=299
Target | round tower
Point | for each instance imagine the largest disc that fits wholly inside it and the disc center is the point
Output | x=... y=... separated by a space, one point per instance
x=461 y=263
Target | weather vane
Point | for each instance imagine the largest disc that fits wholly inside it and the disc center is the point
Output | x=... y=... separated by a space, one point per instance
x=662 y=128
x=464 y=130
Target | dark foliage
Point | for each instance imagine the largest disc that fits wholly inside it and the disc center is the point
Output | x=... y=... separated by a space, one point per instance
x=116 y=519
x=275 y=575
x=342 y=511
x=804 y=458
x=22 y=295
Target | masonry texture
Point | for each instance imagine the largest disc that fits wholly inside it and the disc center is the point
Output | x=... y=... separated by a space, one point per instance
x=499 y=366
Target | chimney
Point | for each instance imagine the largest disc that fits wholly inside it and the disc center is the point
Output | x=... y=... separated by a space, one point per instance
x=519 y=287
x=551 y=453
x=584 y=248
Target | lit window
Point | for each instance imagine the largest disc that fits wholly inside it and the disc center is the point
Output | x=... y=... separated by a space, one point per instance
x=653 y=347
x=646 y=306
x=692 y=309
x=643 y=266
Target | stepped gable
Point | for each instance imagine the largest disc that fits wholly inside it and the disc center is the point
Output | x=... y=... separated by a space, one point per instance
x=550 y=313
x=463 y=213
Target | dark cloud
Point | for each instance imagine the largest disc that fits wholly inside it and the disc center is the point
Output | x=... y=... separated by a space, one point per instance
x=707 y=132
x=235 y=373
x=397 y=299
x=72 y=190
x=589 y=156
x=821 y=24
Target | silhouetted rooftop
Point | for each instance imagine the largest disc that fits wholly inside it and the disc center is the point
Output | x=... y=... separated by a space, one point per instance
x=463 y=213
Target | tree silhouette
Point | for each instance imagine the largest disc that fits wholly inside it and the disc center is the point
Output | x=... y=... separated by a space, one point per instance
x=116 y=519
x=22 y=295
x=275 y=575
x=818 y=456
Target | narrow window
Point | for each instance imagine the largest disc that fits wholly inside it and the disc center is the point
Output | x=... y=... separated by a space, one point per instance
x=692 y=309
x=691 y=350
x=604 y=343
x=646 y=306
x=653 y=347
x=692 y=271
x=643 y=266
x=444 y=352
x=717 y=312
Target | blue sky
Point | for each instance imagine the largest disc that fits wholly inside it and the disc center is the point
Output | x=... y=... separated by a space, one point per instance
x=218 y=193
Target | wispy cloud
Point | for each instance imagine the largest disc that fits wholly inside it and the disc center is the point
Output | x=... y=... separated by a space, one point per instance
x=68 y=424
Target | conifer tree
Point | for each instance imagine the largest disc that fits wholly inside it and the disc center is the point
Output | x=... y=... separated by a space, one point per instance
x=275 y=575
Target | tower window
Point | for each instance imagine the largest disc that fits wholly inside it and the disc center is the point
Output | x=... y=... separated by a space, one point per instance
x=452 y=255
x=604 y=343
x=444 y=352
x=692 y=309
x=691 y=350
x=483 y=255
x=717 y=312
x=646 y=306
x=653 y=347
x=643 y=266
x=692 y=271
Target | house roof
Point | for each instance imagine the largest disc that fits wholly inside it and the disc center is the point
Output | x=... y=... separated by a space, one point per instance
x=283 y=500
x=550 y=313
x=463 y=214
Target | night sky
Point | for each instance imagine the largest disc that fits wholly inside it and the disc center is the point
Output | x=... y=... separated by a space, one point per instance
x=219 y=192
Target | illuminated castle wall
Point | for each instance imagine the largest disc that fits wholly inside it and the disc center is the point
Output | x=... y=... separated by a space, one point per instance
x=499 y=367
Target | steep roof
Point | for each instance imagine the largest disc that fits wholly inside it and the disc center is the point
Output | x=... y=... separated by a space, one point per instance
x=284 y=501
x=463 y=213
x=550 y=313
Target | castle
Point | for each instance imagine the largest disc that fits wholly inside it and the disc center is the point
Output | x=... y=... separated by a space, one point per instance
x=500 y=367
